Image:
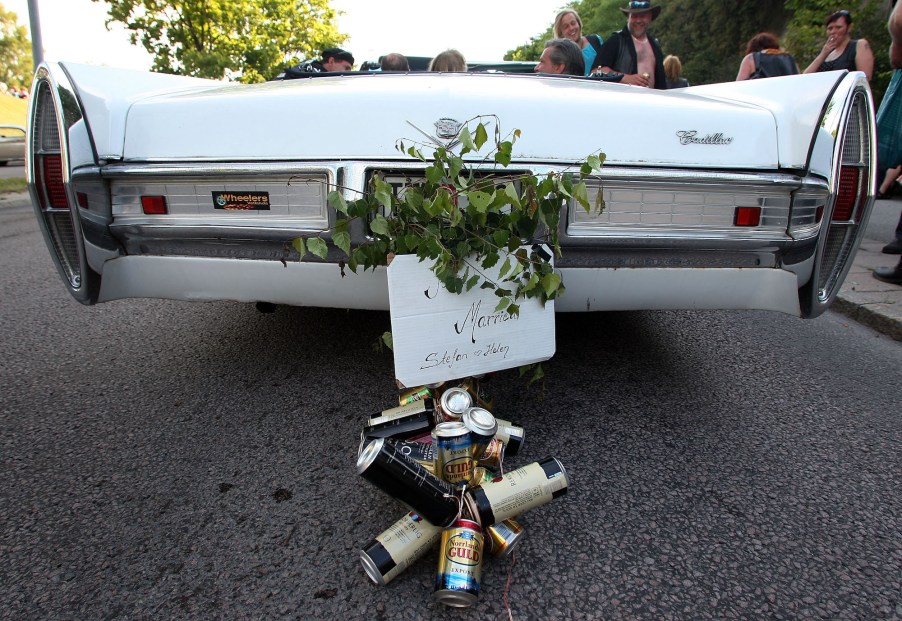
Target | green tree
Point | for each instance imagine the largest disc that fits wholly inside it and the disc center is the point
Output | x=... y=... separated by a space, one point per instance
x=16 y=65
x=249 y=40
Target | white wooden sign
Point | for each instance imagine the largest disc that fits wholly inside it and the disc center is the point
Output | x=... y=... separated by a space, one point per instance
x=441 y=336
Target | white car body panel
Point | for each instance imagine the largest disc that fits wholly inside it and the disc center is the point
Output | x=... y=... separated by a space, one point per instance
x=799 y=151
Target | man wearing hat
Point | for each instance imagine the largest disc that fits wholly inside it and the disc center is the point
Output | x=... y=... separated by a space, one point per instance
x=632 y=51
x=334 y=59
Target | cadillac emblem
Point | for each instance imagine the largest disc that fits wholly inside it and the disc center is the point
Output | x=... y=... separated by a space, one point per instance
x=446 y=128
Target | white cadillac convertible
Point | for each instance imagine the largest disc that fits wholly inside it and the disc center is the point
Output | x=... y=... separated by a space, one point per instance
x=747 y=195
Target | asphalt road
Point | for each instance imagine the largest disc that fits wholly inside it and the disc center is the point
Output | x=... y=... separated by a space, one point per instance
x=169 y=460
x=12 y=170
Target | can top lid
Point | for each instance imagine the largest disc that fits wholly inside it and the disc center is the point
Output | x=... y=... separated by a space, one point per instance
x=465 y=523
x=450 y=429
x=456 y=400
x=480 y=421
x=368 y=454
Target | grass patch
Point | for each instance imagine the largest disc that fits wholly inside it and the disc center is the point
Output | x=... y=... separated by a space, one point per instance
x=13 y=111
x=13 y=185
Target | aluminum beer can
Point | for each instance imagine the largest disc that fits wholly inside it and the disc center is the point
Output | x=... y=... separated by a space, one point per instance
x=454 y=403
x=480 y=475
x=503 y=537
x=493 y=455
x=517 y=491
x=459 y=565
x=482 y=426
x=512 y=435
x=403 y=411
x=414 y=394
x=398 y=547
x=453 y=452
x=384 y=465
x=420 y=452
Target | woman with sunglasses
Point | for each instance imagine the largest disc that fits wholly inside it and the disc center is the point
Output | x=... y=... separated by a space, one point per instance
x=841 y=51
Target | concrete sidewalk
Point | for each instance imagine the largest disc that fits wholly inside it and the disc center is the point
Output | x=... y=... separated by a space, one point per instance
x=867 y=300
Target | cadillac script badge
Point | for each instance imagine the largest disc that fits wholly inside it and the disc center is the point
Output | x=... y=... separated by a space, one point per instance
x=693 y=137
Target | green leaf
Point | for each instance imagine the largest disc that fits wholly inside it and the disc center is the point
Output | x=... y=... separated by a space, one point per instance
x=413 y=197
x=491 y=260
x=299 y=245
x=480 y=200
x=513 y=310
x=501 y=237
x=388 y=340
x=466 y=139
x=594 y=161
x=531 y=283
x=379 y=226
x=481 y=136
x=502 y=158
x=434 y=173
x=581 y=194
x=473 y=281
x=337 y=202
x=550 y=283
x=384 y=193
x=511 y=191
x=318 y=247
x=505 y=267
x=342 y=239
x=502 y=304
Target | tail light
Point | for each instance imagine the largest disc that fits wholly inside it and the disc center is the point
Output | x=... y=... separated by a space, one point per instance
x=852 y=195
x=50 y=187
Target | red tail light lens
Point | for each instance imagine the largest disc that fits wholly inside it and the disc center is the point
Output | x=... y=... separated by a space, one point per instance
x=847 y=194
x=154 y=205
x=747 y=216
x=50 y=169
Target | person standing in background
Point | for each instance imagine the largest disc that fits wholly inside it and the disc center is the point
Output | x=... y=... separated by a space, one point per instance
x=764 y=58
x=632 y=51
x=568 y=25
x=673 y=70
x=894 y=24
x=841 y=51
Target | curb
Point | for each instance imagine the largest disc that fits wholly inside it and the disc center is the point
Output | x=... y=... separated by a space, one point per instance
x=869 y=301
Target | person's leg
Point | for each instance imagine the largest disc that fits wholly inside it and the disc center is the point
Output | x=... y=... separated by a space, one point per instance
x=891 y=275
x=895 y=246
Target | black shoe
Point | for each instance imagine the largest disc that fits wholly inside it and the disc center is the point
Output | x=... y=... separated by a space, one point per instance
x=880 y=196
x=892 y=275
x=894 y=247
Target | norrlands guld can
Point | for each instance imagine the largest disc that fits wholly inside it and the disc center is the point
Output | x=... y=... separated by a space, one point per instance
x=459 y=565
x=398 y=547
x=453 y=453
x=517 y=491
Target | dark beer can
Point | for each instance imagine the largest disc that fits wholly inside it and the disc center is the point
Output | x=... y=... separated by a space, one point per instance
x=482 y=426
x=384 y=465
x=493 y=455
x=398 y=547
x=402 y=411
x=503 y=537
x=512 y=435
x=517 y=491
x=418 y=451
x=453 y=452
x=459 y=565
x=415 y=394
x=454 y=403
x=403 y=428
